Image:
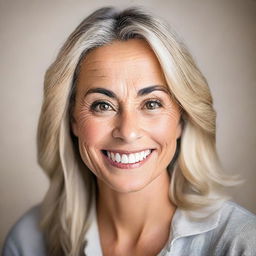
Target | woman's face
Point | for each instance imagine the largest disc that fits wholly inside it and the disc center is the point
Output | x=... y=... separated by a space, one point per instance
x=125 y=120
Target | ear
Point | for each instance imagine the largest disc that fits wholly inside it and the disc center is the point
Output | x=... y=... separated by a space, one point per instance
x=179 y=129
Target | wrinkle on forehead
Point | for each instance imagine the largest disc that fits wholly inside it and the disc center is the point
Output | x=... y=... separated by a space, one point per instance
x=129 y=64
x=119 y=52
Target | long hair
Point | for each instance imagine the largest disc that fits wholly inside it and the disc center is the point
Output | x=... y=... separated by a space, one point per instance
x=196 y=172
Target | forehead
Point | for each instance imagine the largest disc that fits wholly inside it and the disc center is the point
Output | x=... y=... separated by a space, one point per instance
x=121 y=58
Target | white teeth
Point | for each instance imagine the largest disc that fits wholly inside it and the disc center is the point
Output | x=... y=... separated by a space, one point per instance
x=132 y=158
x=124 y=159
x=118 y=158
x=147 y=152
x=137 y=157
x=128 y=158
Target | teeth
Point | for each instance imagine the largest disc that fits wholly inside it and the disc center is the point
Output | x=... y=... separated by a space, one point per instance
x=137 y=157
x=147 y=152
x=128 y=158
x=124 y=159
x=141 y=155
x=132 y=158
x=118 y=158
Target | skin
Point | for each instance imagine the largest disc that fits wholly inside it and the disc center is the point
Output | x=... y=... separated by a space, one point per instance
x=133 y=207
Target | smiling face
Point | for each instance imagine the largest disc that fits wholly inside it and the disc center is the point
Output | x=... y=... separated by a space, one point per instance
x=125 y=120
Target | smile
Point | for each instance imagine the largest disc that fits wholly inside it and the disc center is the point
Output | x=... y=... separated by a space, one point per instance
x=127 y=160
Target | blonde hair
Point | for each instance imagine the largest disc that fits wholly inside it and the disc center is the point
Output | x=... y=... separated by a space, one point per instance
x=196 y=172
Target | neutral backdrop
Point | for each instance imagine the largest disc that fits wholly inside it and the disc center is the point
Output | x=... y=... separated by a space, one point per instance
x=221 y=35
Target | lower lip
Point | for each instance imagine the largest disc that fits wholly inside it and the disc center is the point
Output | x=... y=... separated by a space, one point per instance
x=127 y=166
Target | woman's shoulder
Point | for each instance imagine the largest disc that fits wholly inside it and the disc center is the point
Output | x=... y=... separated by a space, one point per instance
x=228 y=230
x=233 y=214
x=25 y=237
x=237 y=230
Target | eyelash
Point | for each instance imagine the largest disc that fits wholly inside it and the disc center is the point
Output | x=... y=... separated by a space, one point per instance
x=96 y=105
x=155 y=101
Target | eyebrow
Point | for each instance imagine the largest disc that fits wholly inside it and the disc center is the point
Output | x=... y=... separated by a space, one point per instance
x=106 y=92
x=141 y=92
x=147 y=90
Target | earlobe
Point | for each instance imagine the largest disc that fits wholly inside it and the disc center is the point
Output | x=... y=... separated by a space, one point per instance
x=179 y=130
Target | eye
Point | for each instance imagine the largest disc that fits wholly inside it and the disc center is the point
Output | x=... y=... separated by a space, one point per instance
x=101 y=106
x=153 y=104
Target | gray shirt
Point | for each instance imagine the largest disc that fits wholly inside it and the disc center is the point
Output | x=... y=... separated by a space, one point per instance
x=230 y=231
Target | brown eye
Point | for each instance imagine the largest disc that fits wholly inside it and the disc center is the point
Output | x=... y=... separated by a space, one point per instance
x=153 y=104
x=104 y=107
x=101 y=107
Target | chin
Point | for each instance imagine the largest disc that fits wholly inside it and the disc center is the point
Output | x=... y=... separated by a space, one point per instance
x=128 y=186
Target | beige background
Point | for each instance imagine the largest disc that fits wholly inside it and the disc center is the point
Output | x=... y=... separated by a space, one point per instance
x=221 y=35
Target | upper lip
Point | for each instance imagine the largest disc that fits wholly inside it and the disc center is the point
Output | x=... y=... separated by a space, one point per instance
x=126 y=151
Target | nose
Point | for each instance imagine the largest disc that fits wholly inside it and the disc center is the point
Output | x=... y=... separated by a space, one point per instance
x=127 y=127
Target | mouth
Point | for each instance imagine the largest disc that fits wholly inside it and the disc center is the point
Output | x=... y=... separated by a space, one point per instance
x=126 y=160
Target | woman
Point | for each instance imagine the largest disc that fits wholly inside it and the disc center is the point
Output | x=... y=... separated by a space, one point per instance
x=127 y=138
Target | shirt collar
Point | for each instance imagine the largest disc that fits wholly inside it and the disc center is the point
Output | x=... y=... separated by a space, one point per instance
x=187 y=223
x=92 y=236
x=184 y=223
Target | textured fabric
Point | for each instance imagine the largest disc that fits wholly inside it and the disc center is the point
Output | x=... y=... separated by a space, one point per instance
x=230 y=231
x=25 y=239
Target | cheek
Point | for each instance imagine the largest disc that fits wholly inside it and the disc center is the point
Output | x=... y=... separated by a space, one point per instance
x=164 y=129
x=92 y=131
x=91 y=134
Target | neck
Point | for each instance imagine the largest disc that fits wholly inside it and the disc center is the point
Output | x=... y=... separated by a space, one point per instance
x=133 y=214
